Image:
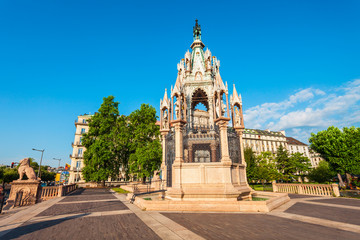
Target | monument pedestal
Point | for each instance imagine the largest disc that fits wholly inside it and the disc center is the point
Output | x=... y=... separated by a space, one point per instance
x=23 y=193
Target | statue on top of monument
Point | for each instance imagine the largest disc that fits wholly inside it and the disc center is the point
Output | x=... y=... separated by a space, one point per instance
x=197 y=31
x=25 y=168
x=165 y=119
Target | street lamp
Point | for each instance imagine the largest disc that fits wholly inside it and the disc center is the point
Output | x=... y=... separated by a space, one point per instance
x=42 y=152
x=58 y=159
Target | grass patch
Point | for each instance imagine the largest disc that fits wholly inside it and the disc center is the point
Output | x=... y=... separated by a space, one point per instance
x=147 y=198
x=259 y=199
x=120 y=190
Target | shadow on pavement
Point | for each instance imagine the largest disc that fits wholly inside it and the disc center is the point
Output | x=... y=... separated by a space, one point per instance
x=28 y=228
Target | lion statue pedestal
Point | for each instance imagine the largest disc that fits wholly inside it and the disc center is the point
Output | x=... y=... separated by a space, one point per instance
x=24 y=192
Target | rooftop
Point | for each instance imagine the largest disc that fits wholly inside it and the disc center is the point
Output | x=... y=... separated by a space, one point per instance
x=293 y=141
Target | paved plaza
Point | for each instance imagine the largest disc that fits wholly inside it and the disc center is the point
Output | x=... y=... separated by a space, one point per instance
x=101 y=214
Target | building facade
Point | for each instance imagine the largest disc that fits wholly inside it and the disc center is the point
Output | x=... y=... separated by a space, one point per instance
x=77 y=156
x=264 y=140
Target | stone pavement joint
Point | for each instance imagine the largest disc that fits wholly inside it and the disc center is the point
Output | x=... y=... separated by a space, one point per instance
x=93 y=214
x=87 y=201
x=164 y=227
x=318 y=221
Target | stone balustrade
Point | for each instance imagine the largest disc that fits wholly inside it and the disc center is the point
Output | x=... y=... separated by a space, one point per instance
x=328 y=190
x=47 y=193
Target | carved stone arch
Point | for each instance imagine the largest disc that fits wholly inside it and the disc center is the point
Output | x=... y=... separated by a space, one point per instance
x=198 y=76
x=199 y=96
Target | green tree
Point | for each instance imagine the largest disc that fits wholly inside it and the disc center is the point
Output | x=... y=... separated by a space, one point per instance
x=341 y=149
x=9 y=175
x=322 y=173
x=100 y=157
x=266 y=169
x=283 y=163
x=123 y=141
x=300 y=164
x=145 y=146
x=250 y=160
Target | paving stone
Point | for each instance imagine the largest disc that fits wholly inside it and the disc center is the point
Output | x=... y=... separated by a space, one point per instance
x=295 y=196
x=60 y=209
x=340 y=201
x=87 y=197
x=126 y=226
x=337 y=214
x=254 y=226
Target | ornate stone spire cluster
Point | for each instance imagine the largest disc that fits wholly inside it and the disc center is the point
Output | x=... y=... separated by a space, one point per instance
x=200 y=71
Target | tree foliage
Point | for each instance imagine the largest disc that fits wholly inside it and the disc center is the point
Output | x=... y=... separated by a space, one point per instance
x=340 y=148
x=322 y=173
x=250 y=160
x=266 y=169
x=146 y=150
x=292 y=165
x=114 y=141
x=101 y=161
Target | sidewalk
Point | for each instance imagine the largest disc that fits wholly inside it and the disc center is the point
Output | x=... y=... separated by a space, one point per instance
x=101 y=214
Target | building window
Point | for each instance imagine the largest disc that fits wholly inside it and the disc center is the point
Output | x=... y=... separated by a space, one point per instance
x=84 y=120
x=83 y=130
x=80 y=141
x=80 y=151
x=78 y=164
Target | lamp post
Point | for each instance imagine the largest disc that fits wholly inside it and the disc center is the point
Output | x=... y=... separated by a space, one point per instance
x=58 y=159
x=42 y=152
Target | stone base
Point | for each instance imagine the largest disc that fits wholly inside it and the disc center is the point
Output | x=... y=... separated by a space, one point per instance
x=209 y=181
x=216 y=192
x=156 y=204
x=26 y=189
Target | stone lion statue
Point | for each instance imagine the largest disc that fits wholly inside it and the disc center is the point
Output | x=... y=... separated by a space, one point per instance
x=25 y=168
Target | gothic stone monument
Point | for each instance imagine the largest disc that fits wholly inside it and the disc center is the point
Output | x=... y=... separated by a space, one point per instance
x=24 y=192
x=203 y=157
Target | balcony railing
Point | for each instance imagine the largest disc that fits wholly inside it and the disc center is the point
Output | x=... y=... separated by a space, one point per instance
x=76 y=155
x=80 y=123
x=76 y=144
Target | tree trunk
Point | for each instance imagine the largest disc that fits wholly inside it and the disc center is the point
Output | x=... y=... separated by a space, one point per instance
x=103 y=183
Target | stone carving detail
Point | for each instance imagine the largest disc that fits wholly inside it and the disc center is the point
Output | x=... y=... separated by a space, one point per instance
x=237 y=117
x=26 y=169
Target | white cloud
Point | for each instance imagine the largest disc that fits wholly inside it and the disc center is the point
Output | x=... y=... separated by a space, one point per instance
x=339 y=107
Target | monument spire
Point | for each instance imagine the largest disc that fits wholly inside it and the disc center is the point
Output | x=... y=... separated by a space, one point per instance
x=197 y=36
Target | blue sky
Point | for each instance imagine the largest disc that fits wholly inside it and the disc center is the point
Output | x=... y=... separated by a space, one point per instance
x=296 y=63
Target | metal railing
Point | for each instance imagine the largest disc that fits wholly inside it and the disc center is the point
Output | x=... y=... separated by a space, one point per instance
x=148 y=188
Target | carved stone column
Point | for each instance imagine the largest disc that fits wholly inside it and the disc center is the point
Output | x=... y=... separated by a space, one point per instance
x=190 y=153
x=239 y=131
x=213 y=152
x=163 y=162
x=178 y=125
x=222 y=122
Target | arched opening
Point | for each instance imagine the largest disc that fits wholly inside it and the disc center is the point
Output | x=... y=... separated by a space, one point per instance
x=200 y=109
x=199 y=96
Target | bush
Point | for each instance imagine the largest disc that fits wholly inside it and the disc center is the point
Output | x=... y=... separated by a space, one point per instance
x=321 y=173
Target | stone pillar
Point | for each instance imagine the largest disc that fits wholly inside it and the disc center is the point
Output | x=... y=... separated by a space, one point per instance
x=178 y=124
x=222 y=122
x=213 y=152
x=210 y=110
x=275 y=188
x=190 y=153
x=163 y=162
x=239 y=131
x=335 y=188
